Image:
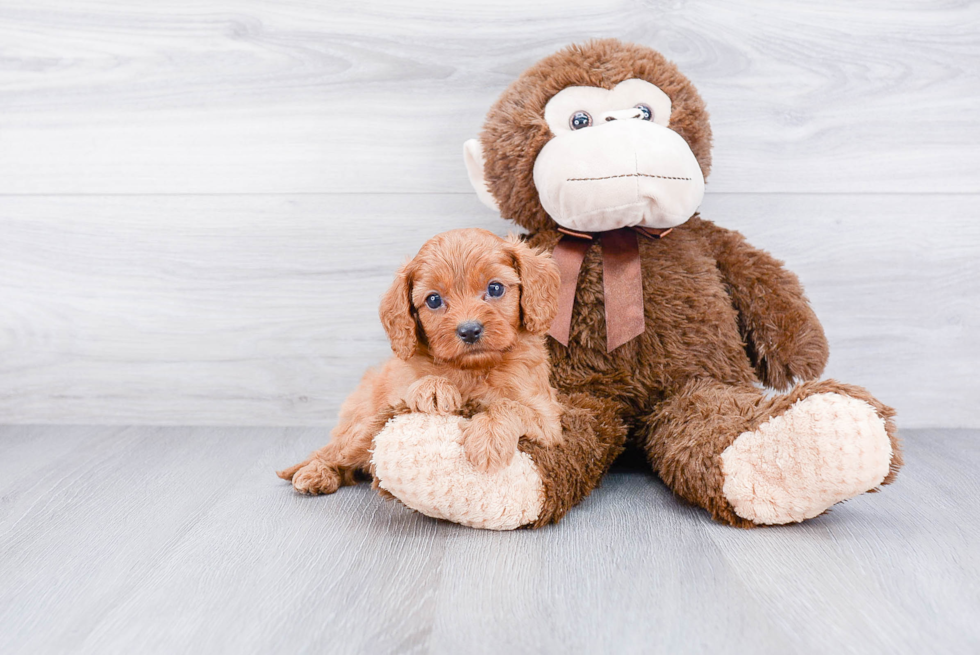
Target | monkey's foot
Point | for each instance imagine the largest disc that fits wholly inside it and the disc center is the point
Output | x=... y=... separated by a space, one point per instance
x=824 y=449
x=419 y=459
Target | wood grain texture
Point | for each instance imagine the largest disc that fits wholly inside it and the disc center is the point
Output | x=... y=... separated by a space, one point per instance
x=163 y=540
x=262 y=310
x=378 y=96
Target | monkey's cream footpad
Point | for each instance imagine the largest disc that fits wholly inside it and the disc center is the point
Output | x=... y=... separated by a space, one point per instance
x=824 y=449
x=419 y=459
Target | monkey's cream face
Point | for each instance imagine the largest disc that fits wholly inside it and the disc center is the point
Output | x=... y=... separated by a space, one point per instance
x=614 y=161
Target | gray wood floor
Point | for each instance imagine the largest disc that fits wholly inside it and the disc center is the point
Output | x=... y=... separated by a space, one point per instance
x=169 y=539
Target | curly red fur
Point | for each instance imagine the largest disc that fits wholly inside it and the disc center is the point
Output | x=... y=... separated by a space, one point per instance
x=504 y=374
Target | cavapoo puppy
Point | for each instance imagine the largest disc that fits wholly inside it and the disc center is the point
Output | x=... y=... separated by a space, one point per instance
x=466 y=319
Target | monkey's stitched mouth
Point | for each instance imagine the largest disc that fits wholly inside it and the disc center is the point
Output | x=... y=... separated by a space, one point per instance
x=612 y=177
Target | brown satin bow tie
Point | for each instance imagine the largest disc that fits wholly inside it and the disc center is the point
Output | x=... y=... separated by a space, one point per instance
x=622 y=281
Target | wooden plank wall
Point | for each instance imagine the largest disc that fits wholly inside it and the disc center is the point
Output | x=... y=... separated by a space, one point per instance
x=201 y=202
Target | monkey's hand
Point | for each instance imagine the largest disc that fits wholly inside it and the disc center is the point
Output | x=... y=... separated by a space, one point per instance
x=433 y=395
x=797 y=352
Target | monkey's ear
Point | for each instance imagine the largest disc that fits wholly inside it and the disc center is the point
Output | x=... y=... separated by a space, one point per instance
x=540 y=281
x=397 y=314
x=473 y=157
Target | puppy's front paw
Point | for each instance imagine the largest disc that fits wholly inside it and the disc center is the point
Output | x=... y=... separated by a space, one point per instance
x=433 y=395
x=490 y=444
x=316 y=478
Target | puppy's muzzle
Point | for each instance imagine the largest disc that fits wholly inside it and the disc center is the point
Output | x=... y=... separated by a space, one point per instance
x=469 y=332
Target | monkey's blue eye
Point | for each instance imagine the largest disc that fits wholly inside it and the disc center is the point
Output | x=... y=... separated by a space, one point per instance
x=495 y=289
x=433 y=301
x=646 y=112
x=579 y=119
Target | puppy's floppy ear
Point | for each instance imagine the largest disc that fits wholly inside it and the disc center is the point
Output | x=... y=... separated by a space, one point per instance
x=398 y=315
x=539 y=286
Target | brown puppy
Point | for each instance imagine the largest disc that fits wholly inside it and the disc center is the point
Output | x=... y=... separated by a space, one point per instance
x=466 y=319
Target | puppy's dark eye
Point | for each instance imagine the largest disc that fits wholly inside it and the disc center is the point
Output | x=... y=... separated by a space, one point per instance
x=579 y=119
x=646 y=112
x=495 y=289
x=433 y=301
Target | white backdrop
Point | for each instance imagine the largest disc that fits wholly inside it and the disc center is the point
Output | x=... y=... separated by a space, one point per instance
x=201 y=201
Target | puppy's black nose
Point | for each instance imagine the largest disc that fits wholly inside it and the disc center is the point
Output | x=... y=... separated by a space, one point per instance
x=470 y=331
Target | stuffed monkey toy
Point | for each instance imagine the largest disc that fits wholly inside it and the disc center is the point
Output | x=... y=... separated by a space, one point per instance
x=667 y=323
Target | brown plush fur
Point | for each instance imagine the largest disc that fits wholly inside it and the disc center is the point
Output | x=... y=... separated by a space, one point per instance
x=504 y=375
x=721 y=316
x=594 y=438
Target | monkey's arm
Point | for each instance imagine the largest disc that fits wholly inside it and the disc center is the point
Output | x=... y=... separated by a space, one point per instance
x=784 y=338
